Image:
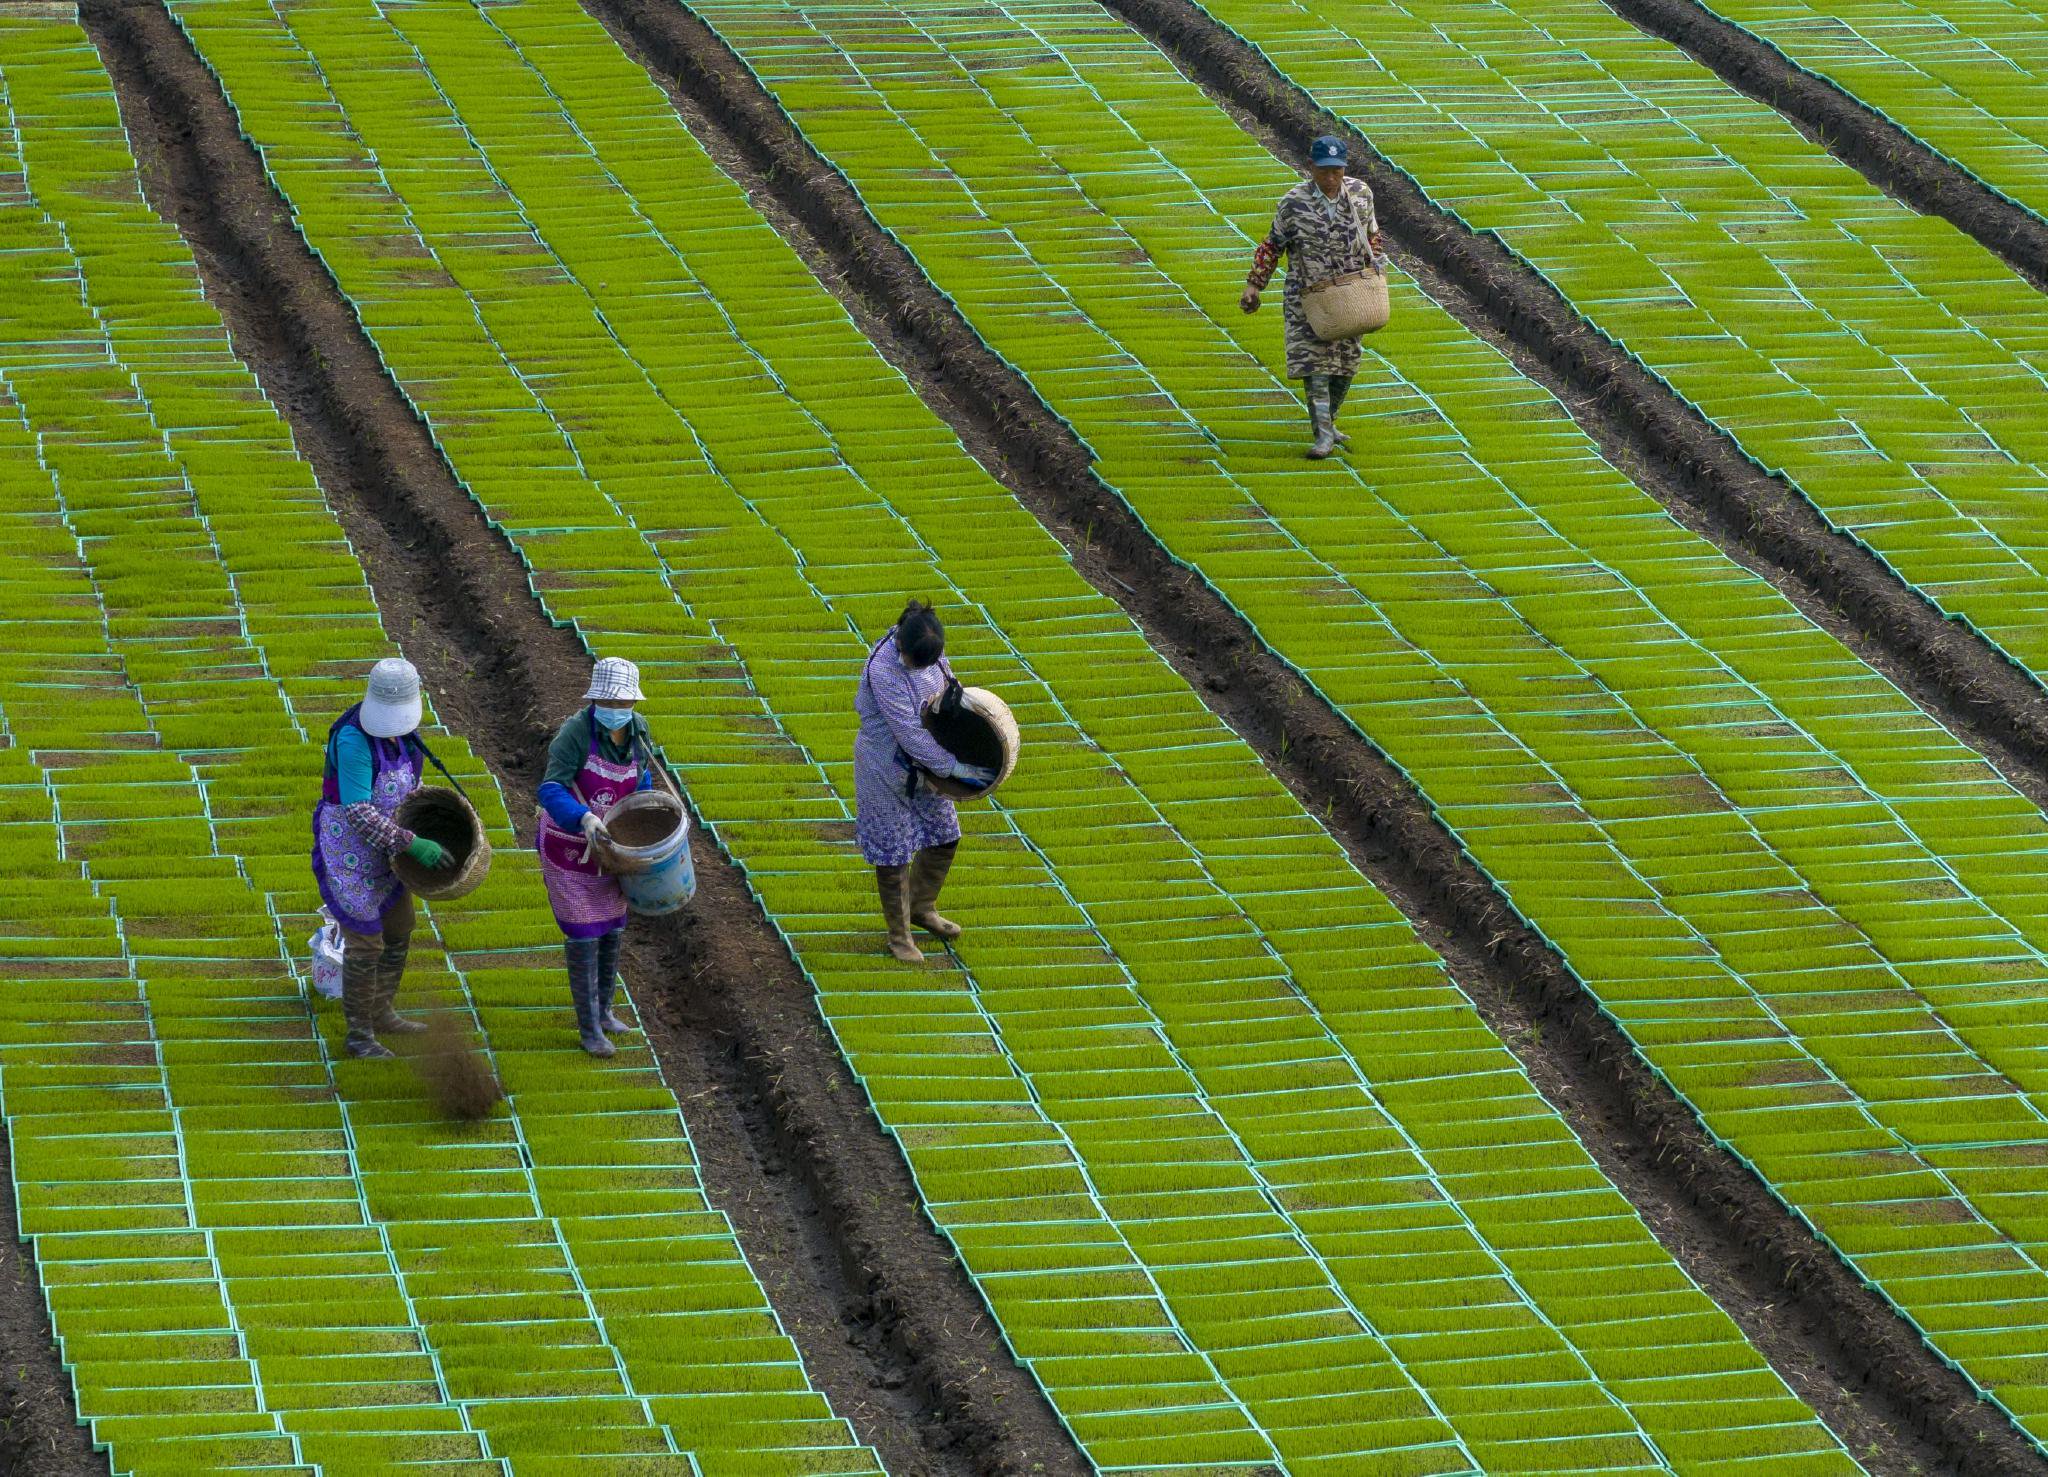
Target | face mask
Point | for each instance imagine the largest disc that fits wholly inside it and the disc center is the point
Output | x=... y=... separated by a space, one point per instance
x=614 y=718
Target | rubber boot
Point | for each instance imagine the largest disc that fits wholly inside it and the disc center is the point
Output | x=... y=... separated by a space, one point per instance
x=608 y=982
x=927 y=875
x=1340 y=386
x=359 y=991
x=889 y=882
x=1318 y=389
x=582 y=958
x=390 y=971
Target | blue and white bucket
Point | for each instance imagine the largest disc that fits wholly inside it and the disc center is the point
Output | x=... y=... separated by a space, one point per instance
x=657 y=876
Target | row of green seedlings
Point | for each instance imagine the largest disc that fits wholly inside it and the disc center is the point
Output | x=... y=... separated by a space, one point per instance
x=256 y=1254
x=1960 y=78
x=1883 y=361
x=1213 y=1130
x=1817 y=913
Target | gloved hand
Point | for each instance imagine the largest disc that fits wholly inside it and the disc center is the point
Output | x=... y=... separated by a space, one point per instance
x=594 y=828
x=427 y=853
x=974 y=774
x=1249 y=301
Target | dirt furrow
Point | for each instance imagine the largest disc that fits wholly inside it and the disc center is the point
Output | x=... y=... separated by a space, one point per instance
x=1849 y=128
x=39 y=1427
x=1971 y=685
x=1840 y=1345
x=889 y=1325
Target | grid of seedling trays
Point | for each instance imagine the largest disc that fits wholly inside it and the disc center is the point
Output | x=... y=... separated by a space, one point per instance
x=1242 y=1175
x=256 y=1252
x=1890 y=367
x=1817 y=914
x=1962 y=76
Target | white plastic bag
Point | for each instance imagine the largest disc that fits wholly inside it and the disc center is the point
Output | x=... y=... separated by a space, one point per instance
x=326 y=948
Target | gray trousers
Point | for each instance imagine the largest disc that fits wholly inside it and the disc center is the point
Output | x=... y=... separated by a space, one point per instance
x=593 y=976
x=1325 y=395
x=372 y=964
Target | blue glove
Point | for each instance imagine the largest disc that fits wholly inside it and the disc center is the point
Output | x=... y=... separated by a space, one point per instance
x=974 y=774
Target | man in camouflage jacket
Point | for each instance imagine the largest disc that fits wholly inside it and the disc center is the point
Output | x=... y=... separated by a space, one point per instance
x=1325 y=226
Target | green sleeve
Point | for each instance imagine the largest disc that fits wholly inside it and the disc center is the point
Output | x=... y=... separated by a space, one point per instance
x=566 y=753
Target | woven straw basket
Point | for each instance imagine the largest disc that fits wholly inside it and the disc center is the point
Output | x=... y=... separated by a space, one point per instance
x=443 y=816
x=995 y=742
x=1347 y=306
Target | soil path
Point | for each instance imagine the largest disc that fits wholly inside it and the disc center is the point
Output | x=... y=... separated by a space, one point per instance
x=1840 y=1345
x=889 y=1325
x=39 y=1428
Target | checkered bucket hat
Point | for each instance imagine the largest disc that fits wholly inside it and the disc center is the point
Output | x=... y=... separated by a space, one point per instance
x=614 y=680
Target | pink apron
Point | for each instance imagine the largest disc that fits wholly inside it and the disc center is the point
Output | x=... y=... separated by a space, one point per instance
x=587 y=902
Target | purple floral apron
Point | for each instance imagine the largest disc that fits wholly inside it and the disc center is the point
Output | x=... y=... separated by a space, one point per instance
x=587 y=902
x=355 y=878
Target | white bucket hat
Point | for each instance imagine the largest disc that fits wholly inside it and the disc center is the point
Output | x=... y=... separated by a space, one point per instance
x=391 y=702
x=614 y=680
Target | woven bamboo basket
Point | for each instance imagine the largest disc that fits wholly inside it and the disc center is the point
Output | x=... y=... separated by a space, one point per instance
x=443 y=816
x=1349 y=306
x=985 y=733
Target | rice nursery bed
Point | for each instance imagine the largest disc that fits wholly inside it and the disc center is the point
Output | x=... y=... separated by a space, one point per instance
x=256 y=1252
x=1129 y=1286
x=1245 y=1182
x=1616 y=744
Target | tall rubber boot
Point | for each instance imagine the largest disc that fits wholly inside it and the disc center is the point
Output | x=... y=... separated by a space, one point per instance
x=889 y=882
x=359 y=993
x=1317 y=389
x=581 y=955
x=608 y=981
x=1340 y=386
x=390 y=971
x=927 y=875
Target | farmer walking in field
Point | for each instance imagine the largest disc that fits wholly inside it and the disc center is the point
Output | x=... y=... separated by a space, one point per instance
x=599 y=756
x=373 y=761
x=1326 y=228
x=907 y=831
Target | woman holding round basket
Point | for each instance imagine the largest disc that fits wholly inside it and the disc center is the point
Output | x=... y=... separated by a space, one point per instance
x=1326 y=228
x=374 y=760
x=598 y=757
x=907 y=828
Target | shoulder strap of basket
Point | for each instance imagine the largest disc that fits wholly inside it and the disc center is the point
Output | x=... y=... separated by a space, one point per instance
x=435 y=760
x=1358 y=229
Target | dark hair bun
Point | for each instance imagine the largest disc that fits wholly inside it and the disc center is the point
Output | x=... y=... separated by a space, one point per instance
x=919 y=636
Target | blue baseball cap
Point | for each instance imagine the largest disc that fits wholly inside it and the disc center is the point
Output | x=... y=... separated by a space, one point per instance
x=1328 y=150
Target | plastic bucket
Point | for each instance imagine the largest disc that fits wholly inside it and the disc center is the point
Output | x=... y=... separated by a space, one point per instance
x=650 y=852
x=443 y=816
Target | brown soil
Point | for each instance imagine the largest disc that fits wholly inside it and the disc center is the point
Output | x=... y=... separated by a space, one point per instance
x=457 y=1074
x=1839 y=1344
x=39 y=1427
x=446 y=819
x=643 y=827
x=1853 y=131
x=889 y=1325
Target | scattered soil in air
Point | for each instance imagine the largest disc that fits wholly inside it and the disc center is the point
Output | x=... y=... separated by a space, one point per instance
x=457 y=1075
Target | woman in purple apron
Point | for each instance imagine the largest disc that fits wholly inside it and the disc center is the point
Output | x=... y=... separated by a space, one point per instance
x=594 y=761
x=374 y=760
x=907 y=831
